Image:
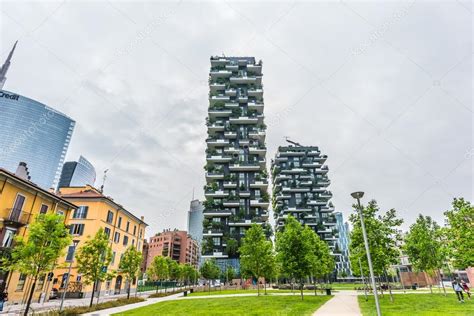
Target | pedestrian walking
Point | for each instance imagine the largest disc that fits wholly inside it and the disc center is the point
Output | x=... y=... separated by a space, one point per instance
x=458 y=289
x=3 y=299
x=466 y=289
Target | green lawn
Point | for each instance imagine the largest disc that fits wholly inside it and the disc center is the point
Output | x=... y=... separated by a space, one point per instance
x=418 y=304
x=226 y=292
x=263 y=305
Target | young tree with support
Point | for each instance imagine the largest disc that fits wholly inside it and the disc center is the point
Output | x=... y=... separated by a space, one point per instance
x=210 y=271
x=383 y=236
x=324 y=261
x=130 y=265
x=256 y=255
x=295 y=251
x=93 y=259
x=36 y=255
x=158 y=270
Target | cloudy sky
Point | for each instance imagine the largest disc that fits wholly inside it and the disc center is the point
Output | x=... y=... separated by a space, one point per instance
x=383 y=88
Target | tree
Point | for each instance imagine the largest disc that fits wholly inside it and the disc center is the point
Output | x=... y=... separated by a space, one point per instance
x=424 y=246
x=174 y=269
x=295 y=251
x=158 y=269
x=210 y=271
x=229 y=274
x=188 y=272
x=37 y=254
x=93 y=258
x=383 y=237
x=460 y=233
x=323 y=260
x=256 y=254
x=130 y=265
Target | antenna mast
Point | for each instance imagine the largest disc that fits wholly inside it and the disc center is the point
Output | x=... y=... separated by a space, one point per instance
x=103 y=181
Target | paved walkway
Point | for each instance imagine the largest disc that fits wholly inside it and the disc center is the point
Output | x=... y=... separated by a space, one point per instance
x=343 y=303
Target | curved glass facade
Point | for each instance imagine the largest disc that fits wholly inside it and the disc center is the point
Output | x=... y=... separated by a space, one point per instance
x=77 y=174
x=33 y=133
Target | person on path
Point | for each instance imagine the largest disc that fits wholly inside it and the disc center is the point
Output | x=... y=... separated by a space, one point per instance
x=466 y=289
x=3 y=299
x=458 y=289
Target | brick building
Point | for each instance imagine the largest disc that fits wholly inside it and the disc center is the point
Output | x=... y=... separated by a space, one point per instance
x=176 y=244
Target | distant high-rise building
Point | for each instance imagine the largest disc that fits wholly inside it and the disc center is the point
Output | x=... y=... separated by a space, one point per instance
x=344 y=264
x=77 y=174
x=32 y=133
x=5 y=66
x=300 y=184
x=236 y=190
x=195 y=217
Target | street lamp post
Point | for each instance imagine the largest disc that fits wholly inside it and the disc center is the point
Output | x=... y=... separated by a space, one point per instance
x=75 y=243
x=358 y=196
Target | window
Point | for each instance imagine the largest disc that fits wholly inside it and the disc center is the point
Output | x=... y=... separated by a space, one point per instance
x=110 y=217
x=217 y=241
x=119 y=222
x=76 y=229
x=127 y=227
x=21 y=282
x=113 y=257
x=140 y=245
x=107 y=231
x=117 y=237
x=133 y=242
x=8 y=237
x=134 y=230
x=43 y=209
x=140 y=234
x=125 y=240
x=80 y=212
x=70 y=253
x=40 y=284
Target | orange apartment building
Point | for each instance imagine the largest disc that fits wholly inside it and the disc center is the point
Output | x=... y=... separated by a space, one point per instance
x=176 y=244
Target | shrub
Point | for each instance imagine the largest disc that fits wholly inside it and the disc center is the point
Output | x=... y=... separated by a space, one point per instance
x=161 y=294
x=86 y=309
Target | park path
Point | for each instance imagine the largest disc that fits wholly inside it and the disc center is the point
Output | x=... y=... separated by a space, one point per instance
x=343 y=303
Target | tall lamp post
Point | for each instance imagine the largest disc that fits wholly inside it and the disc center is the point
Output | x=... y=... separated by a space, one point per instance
x=358 y=196
x=75 y=243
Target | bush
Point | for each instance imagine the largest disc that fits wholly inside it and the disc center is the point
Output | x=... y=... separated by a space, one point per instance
x=86 y=309
x=161 y=294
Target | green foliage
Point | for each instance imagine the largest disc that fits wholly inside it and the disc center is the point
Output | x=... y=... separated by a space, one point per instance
x=173 y=268
x=382 y=234
x=296 y=250
x=158 y=269
x=93 y=258
x=323 y=260
x=210 y=270
x=229 y=274
x=130 y=265
x=256 y=254
x=460 y=233
x=424 y=246
x=36 y=255
x=232 y=246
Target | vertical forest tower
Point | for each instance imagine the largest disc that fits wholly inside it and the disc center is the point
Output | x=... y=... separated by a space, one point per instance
x=236 y=177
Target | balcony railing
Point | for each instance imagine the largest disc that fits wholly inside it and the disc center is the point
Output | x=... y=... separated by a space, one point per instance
x=17 y=217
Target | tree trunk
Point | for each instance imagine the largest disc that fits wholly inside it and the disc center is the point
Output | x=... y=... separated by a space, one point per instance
x=265 y=285
x=389 y=288
x=92 y=296
x=98 y=291
x=315 y=288
x=30 y=296
x=128 y=290
x=431 y=289
x=301 y=288
x=441 y=280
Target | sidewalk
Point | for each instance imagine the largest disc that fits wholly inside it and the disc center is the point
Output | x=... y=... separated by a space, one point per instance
x=343 y=303
x=54 y=304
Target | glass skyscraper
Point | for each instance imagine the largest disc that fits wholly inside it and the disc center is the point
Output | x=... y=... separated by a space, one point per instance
x=33 y=133
x=77 y=174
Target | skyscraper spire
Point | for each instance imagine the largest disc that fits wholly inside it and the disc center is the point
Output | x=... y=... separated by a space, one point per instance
x=6 y=65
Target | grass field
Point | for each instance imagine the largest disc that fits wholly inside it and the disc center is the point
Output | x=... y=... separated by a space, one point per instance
x=418 y=305
x=269 y=291
x=263 y=305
